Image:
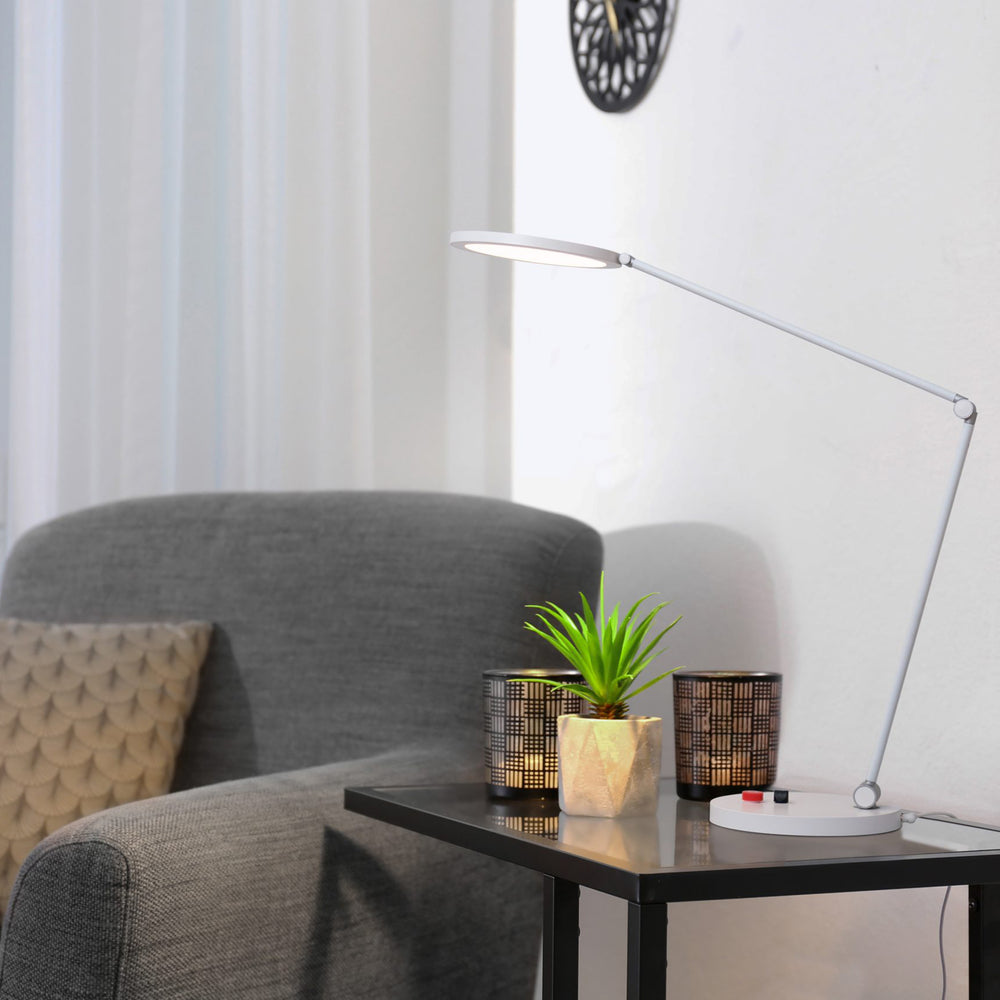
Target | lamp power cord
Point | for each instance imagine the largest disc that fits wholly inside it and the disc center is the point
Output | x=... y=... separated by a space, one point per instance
x=910 y=817
x=944 y=907
x=944 y=964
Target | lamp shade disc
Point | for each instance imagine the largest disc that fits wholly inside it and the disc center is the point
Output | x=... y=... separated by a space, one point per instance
x=535 y=249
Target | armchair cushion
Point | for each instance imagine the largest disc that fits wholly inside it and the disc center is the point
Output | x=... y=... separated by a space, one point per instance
x=91 y=716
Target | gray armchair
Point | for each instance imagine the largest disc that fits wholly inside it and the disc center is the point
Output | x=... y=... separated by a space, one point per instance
x=350 y=633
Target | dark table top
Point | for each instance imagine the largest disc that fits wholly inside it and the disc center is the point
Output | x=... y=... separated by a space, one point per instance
x=677 y=855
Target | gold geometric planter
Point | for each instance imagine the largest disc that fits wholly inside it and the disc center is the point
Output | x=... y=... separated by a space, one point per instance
x=609 y=767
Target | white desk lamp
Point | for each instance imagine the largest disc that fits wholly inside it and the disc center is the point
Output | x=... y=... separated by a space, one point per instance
x=806 y=813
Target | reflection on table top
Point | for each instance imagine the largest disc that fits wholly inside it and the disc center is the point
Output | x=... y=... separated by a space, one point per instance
x=678 y=840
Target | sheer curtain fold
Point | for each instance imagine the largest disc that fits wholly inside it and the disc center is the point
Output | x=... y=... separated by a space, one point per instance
x=36 y=258
x=207 y=287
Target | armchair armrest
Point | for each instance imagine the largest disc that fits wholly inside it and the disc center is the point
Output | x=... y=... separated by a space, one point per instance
x=265 y=888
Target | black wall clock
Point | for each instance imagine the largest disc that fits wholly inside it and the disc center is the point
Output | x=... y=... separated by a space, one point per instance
x=618 y=46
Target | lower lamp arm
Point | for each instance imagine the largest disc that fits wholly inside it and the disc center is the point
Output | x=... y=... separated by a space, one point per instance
x=867 y=794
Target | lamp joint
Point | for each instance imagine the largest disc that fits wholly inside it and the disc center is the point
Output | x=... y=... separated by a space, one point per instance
x=965 y=409
x=867 y=794
x=625 y=259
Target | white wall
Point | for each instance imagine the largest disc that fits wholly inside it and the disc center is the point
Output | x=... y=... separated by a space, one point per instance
x=835 y=165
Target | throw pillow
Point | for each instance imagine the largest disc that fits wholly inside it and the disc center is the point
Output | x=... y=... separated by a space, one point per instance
x=91 y=716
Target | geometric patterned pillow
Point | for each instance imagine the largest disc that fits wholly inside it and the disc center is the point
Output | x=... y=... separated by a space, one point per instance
x=91 y=716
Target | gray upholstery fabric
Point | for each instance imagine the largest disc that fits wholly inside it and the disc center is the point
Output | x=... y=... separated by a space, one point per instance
x=331 y=610
x=351 y=631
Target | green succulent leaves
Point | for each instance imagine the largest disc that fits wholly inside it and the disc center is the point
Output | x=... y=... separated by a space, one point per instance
x=611 y=653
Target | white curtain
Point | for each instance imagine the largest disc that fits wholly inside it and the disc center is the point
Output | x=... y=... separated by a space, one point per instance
x=227 y=247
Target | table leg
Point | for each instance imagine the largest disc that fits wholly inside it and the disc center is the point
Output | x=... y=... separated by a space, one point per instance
x=984 y=942
x=647 y=951
x=560 y=939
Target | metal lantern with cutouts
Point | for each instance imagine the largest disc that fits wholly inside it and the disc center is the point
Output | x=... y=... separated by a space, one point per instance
x=519 y=730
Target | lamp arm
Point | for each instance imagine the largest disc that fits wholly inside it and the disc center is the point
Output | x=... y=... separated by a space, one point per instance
x=628 y=260
x=867 y=794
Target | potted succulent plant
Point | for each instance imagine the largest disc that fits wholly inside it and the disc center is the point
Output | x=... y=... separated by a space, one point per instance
x=609 y=761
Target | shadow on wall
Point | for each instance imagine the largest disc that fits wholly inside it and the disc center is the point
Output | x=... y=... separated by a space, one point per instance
x=721 y=584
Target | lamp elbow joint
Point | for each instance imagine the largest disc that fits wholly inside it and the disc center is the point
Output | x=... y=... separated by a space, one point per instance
x=965 y=409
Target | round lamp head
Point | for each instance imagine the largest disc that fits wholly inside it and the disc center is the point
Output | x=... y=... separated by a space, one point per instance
x=535 y=249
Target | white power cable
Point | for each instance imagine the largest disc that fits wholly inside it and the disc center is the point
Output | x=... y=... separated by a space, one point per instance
x=910 y=817
x=944 y=906
x=944 y=965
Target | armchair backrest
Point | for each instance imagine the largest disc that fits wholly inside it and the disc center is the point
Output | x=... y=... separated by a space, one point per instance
x=346 y=623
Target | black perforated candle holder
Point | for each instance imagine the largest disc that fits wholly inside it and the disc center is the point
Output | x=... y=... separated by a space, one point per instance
x=725 y=731
x=520 y=733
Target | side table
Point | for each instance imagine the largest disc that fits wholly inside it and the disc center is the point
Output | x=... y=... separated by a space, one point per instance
x=678 y=856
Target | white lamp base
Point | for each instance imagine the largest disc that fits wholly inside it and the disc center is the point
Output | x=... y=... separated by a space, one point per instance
x=805 y=814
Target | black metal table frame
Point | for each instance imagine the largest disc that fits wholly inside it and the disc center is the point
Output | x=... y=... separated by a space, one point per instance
x=647 y=944
x=649 y=893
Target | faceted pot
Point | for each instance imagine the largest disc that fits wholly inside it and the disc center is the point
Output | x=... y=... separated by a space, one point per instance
x=609 y=767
